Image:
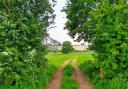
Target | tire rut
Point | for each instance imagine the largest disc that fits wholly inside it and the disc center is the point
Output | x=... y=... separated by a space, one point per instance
x=55 y=83
x=80 y=78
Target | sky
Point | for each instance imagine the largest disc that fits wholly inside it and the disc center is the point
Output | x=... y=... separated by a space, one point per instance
x=58 y=33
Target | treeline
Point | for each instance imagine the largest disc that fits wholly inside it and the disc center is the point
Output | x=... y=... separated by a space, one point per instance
x=23 y=26
x=104 y=24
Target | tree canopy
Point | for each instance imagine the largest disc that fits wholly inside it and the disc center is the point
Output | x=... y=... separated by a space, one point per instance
x=67 y=47
x=104 y=24
x=23 y=26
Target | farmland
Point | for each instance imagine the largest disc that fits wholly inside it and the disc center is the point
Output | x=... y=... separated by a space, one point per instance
x=68 y=69
x=59 y=58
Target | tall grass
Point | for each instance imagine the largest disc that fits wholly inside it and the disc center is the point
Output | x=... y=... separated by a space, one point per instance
x=39 y=81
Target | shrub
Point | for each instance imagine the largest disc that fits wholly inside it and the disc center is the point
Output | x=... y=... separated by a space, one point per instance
x=117 y=83
x=67 y=47
x=114 y=83
x=22 y=29
x=90 y=69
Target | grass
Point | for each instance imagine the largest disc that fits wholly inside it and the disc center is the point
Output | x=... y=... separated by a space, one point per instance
x=68 y=81
x=58 y=58
x=41 y=80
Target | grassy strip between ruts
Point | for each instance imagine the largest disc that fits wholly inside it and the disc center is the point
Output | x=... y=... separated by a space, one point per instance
x=69 y=81
x=58 y=58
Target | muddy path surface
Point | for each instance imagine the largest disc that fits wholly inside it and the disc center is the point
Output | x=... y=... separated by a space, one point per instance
x=81 y=79
x=55 y=83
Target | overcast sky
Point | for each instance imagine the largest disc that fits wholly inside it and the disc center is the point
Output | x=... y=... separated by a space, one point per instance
x=58 y=33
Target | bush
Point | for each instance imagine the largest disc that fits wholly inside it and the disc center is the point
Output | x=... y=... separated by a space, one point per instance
x=67 y=47
x=114 y=83
x=22 y=62
x=117 y=83
x=39 y=81
x=90 y=69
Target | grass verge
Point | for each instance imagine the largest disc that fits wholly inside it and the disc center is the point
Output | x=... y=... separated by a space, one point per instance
x=40 y=81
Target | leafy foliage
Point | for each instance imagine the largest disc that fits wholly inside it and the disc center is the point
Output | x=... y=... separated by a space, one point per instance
x=23 y=26
x=67 y=47
x=109 y=34
x=111 y=41
x=80 y=21
x=89 y=68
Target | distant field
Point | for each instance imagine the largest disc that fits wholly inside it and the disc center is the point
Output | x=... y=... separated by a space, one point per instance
x=77 y=47
x=59 y=58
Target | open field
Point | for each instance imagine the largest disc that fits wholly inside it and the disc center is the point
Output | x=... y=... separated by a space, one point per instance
x=76 y=47
x=59 y=58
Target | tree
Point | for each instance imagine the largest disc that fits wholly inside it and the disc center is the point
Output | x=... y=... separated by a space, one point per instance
x=103 y=24
x=80 y=22
x=111 y=41
x=23 y=26
x=67 y=47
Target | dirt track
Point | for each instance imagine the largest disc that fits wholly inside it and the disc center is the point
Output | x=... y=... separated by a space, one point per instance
x=57 y=79
x=56 y=82
x=80 y=78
